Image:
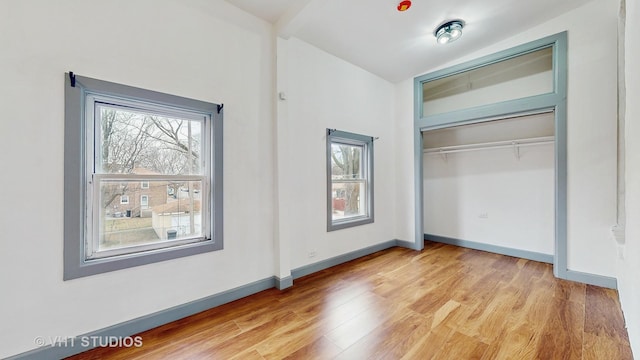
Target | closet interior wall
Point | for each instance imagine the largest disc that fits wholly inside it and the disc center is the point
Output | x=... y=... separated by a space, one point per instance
x=492 y=184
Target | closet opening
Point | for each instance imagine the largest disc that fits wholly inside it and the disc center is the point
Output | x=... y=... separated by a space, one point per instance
x=491 y=185
x=489 y=136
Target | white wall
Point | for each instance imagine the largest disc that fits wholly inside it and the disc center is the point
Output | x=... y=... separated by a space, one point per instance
x=323 y=92
x=206 y=50
x=629 y=268
x=405 y=162
x=592 y=63
x=490 y=197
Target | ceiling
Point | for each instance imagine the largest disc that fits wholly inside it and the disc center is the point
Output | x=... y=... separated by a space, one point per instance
x=395 y=45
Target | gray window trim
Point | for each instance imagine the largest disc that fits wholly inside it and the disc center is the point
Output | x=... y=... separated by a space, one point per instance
x=75 y=265
x=356 y=139
x=556 y=100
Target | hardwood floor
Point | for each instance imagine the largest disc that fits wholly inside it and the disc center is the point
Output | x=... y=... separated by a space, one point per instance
x=444 y=302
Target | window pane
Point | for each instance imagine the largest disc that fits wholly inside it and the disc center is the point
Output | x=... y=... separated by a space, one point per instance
x=134 y=141
x=348 y=200
x=346 y=161
x=522 y=76
x=167 y=210
x=349 y=180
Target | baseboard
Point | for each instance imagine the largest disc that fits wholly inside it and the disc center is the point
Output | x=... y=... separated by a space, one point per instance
x=284 y=283
x=591 y=279
x=408 y=244
x=144 y=323
x=337 y=260
x=524 y=254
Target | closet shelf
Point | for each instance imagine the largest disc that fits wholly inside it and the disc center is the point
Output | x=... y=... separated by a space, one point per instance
x=515 y=144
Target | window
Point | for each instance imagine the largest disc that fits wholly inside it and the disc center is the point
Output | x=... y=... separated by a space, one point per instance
x=120 y=141
x=349 y=179
x=513 y=78
x=144 y=202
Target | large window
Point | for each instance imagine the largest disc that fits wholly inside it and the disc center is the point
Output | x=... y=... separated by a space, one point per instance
x=349 y=179
x=124 y=148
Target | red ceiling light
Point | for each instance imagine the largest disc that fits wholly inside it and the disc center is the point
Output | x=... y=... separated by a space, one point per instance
x=404 y=5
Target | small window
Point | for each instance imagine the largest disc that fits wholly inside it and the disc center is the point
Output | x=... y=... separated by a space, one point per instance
x=125 y=145
x=144 y=202
x=349 y=179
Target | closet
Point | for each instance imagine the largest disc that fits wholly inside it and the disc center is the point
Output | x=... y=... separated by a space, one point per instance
x=491 y=153
x=491 y=185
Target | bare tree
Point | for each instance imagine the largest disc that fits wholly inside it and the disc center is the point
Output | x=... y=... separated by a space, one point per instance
x=123 y=141
x=347 y=160
x=133 y=140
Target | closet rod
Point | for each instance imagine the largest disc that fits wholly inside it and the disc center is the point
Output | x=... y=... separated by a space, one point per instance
x=491 y=145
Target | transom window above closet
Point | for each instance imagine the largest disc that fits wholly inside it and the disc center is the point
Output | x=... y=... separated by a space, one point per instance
x=517 y=77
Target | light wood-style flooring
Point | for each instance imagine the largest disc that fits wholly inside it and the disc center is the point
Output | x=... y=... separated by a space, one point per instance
x=444 y=302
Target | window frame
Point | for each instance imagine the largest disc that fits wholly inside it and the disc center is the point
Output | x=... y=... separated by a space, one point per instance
x=94 y=104
x=348 y=138
x=76 y=165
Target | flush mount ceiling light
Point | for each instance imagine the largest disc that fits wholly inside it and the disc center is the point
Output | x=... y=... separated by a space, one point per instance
x=449 y=31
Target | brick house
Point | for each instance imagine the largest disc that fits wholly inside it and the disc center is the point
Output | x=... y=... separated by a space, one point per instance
x=138 y=198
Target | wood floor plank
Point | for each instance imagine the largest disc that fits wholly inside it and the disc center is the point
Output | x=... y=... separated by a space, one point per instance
x=570 y=291
x=444 y=312
x=460 y=346
x=320 y=349
x=444 y=302
x=430 y=345
x=389 y=338
x=497 y=316
x=260 y=316
x=562 y=336
x=251 y=355
x=246 y=341
x=290 y=341
x=603 y=315
x=362 y=324
x=333 y=316
x=601 y=347
x=520 y=341
x=605 y=332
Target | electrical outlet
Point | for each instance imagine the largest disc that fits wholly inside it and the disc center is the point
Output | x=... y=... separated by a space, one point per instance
x=312 y=253
x=483 y=215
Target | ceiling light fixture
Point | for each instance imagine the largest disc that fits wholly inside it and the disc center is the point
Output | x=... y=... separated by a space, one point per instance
x=449 y=31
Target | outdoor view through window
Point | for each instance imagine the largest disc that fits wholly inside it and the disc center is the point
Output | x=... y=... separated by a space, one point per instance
x=156 y=160
x=348 y=181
